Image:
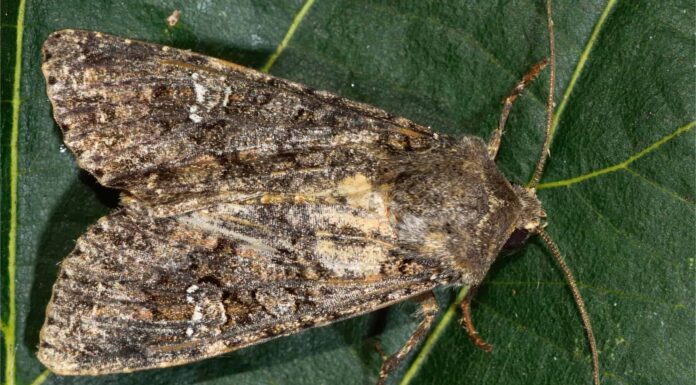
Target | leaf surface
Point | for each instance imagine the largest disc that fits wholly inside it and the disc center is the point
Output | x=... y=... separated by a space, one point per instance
x=619 y=189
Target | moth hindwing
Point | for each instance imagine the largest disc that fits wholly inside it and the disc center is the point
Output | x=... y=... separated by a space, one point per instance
x=252 y=207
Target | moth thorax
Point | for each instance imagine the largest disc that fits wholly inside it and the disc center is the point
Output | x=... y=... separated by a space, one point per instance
x=455 y=207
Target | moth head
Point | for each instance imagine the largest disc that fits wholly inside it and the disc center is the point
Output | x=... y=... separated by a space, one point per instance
x=531 y=219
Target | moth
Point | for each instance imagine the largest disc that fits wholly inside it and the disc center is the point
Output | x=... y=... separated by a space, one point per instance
x=253 y=207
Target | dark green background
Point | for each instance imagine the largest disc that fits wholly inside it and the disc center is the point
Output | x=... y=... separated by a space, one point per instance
x=628 y=234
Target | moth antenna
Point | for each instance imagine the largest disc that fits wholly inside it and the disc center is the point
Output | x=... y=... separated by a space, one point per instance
x=539 y=170
x=578 y=301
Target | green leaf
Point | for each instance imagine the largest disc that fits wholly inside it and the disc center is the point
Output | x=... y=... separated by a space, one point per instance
x=619 y=188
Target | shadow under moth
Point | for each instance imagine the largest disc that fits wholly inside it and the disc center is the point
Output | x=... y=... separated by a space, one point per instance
x=253 y=207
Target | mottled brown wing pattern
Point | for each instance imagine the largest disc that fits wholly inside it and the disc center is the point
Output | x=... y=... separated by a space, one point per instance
x=168 y=125
x=253 y=207
x=140 y=292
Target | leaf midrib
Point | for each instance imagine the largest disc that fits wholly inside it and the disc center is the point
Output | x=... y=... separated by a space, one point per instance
x=10 y=328
x=582 y=62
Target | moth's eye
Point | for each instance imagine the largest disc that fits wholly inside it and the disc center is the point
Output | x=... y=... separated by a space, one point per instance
x=515 y=241
x=448 y=228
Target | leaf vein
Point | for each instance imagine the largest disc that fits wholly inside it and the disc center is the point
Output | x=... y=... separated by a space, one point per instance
x=665 y=190
x=581 y=64
x=619 y=166
x=41 y=377
x=9 y=328
x=434 y=336
x=288 y=35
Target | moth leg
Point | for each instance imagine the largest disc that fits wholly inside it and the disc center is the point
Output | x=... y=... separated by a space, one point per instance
x=428 y=310
x=468 y=323
x=380 y=350
x=494 y=142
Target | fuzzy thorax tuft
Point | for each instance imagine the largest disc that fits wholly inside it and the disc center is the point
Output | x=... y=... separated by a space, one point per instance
x=532 y=216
